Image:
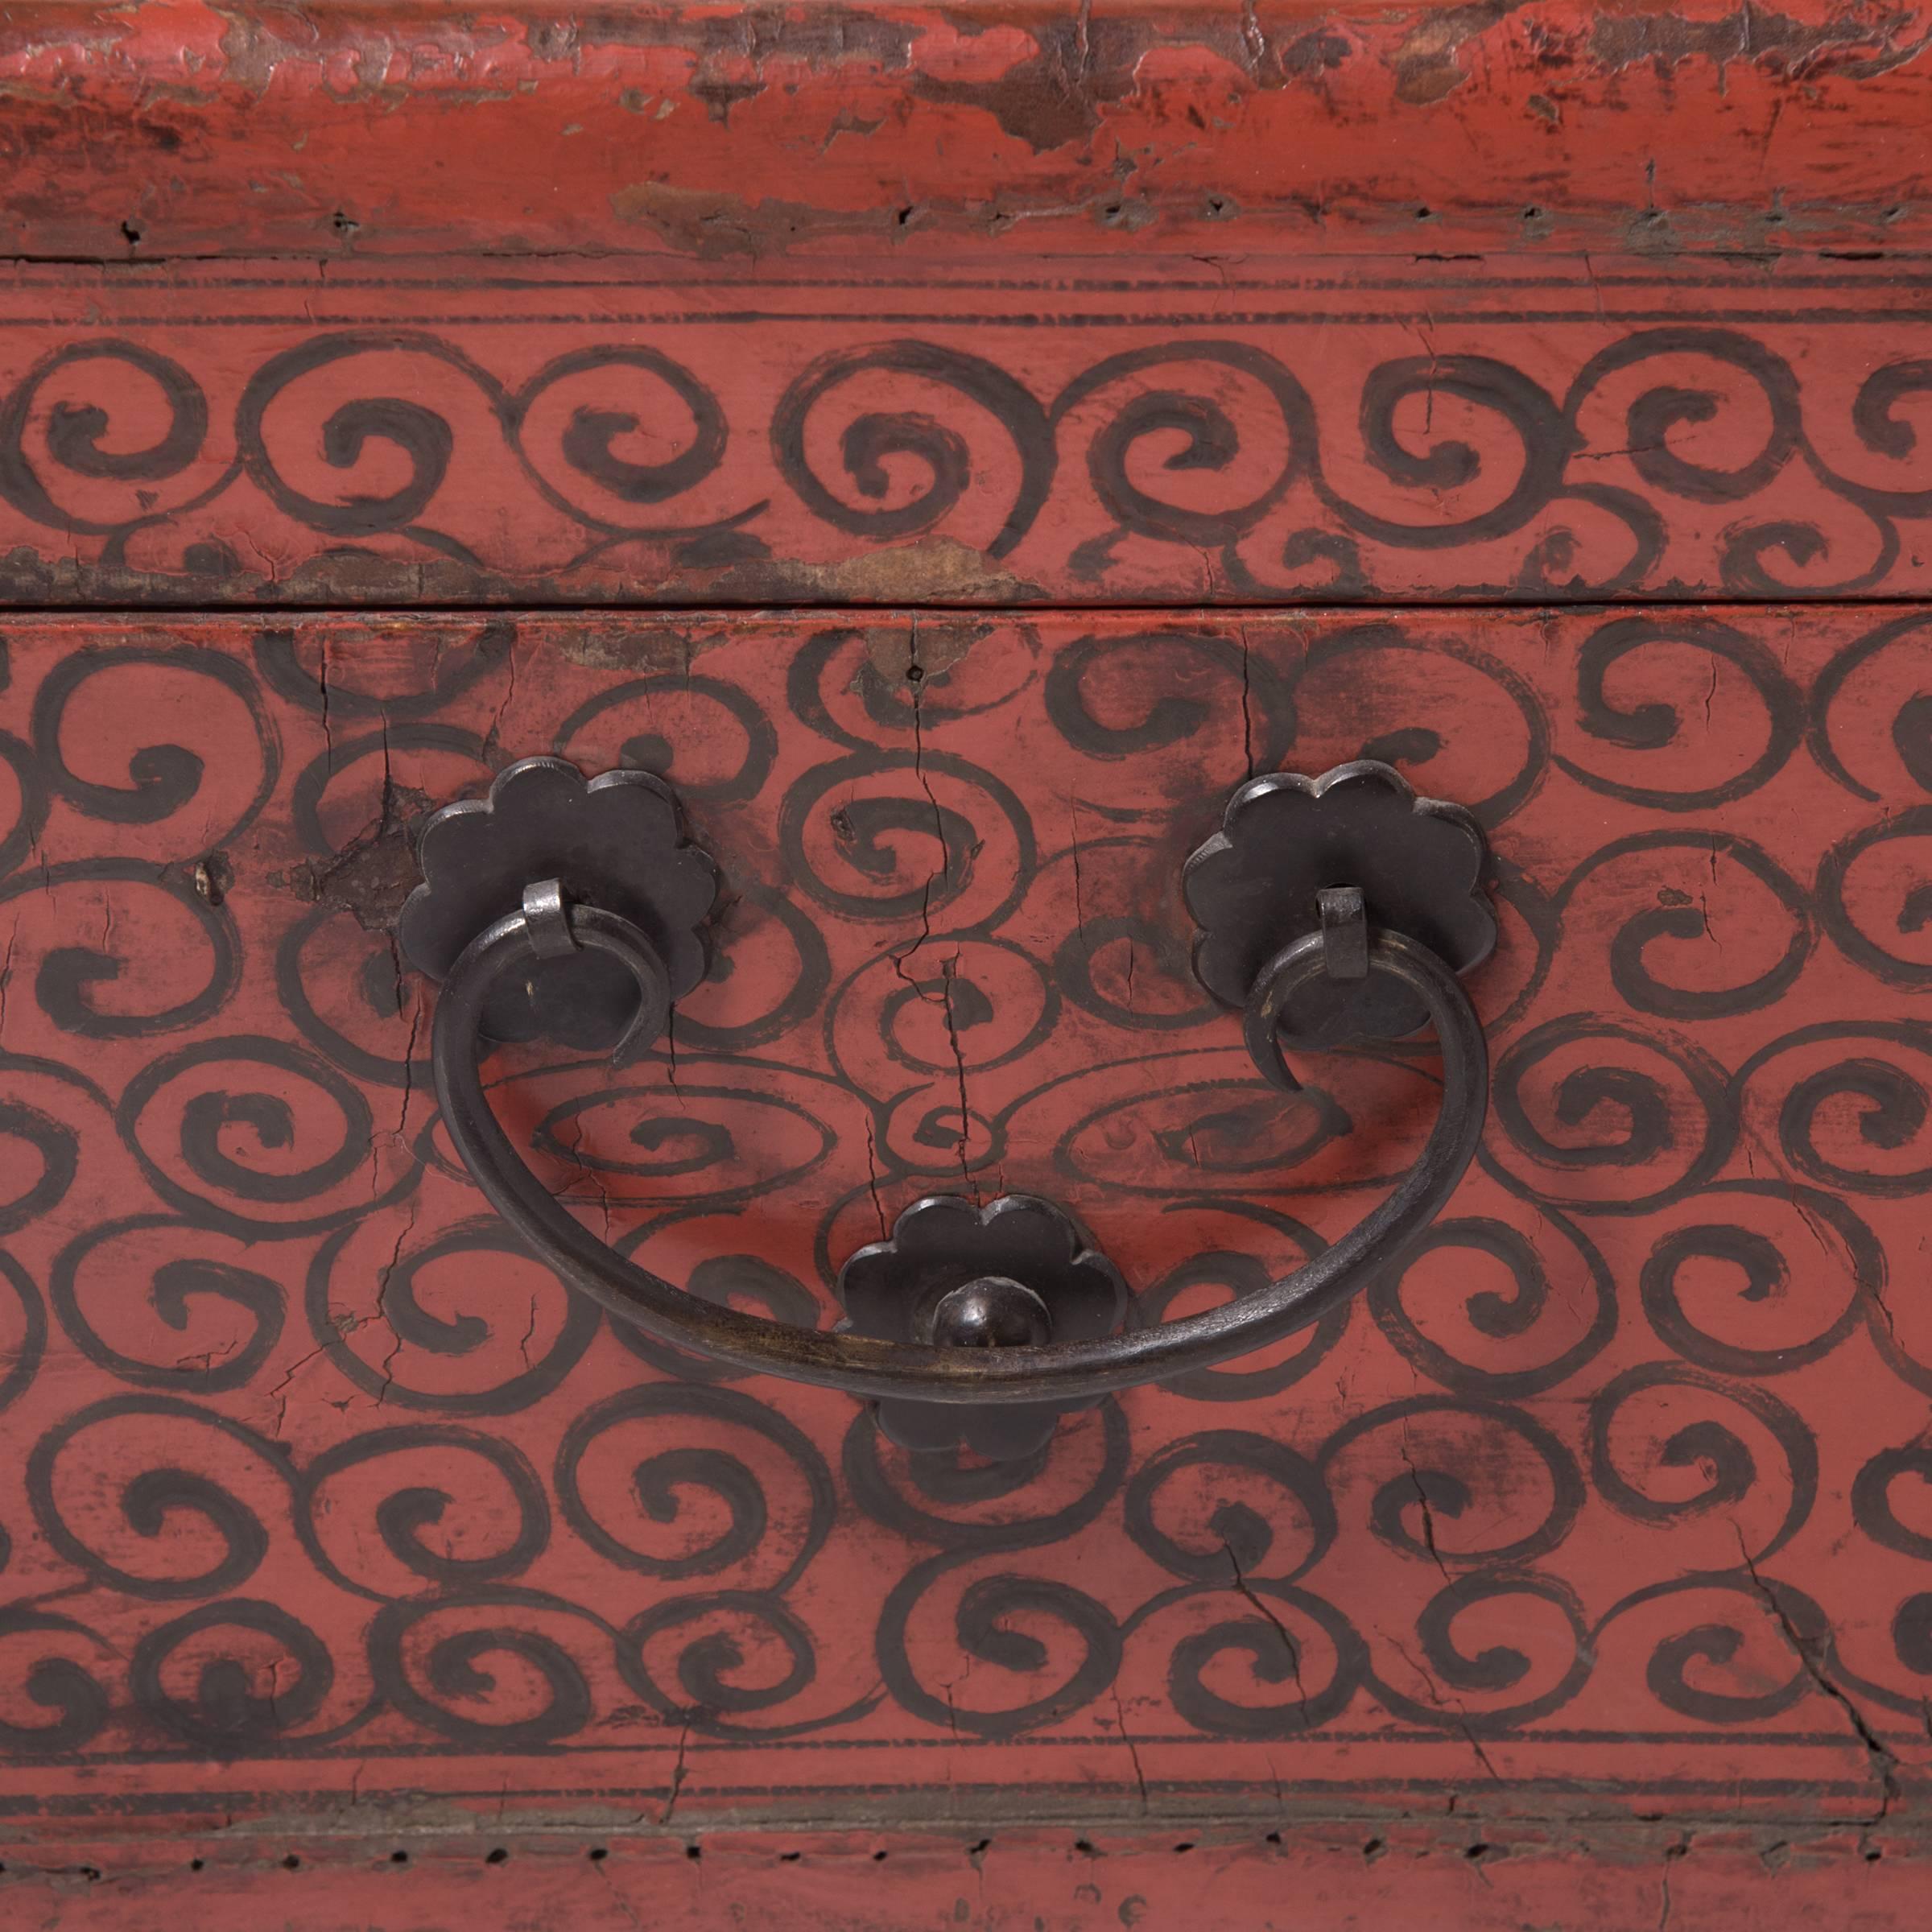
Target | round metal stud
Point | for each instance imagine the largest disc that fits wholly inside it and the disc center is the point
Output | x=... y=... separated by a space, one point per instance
x=992 y=1312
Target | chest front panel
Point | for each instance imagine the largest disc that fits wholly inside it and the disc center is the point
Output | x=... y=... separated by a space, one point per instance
x=318 y=1487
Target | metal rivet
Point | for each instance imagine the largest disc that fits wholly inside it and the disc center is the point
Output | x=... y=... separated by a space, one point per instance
x=993 y=1311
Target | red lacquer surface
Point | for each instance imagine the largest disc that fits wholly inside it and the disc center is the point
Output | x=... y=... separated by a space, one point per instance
x=351 y=1574
x=318 y=1493
x=1332 y=1878
x=1006 y=434
x=1107 y=127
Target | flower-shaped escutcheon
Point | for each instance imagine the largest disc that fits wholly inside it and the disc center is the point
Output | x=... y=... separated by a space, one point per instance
x=613 y=841
x=1255 y=886
x=1016 y=1271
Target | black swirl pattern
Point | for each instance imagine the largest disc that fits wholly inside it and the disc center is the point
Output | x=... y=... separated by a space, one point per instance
x=1601 y=459
x=313 y=1467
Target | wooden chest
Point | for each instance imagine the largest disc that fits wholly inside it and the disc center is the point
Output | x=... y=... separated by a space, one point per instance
x=946 y=462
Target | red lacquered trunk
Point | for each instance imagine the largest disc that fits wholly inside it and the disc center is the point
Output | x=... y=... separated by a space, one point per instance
x=956 y=453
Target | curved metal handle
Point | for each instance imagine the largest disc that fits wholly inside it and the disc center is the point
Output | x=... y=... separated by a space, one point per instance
x=986 y=1361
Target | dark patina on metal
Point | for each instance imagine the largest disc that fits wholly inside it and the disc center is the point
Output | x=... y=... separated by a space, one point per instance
x=1005 y=1314
x=615 y=841
x=1338 y=855
x=1017 y=1273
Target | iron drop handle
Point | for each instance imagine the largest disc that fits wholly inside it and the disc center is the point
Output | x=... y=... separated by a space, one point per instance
x=1004 y=1305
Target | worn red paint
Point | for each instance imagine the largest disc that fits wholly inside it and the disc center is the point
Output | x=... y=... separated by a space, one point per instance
x=1580 y=1572
x=323 y=1495
x=1318 y=1879
x=171 y=127
x=1315 y=428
